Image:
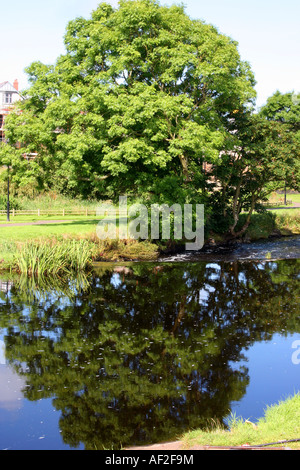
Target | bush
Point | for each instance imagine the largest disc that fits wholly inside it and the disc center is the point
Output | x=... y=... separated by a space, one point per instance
x=261 y=225
x=13 y=203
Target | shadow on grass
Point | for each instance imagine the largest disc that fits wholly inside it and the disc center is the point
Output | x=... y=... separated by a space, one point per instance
x=48 y=223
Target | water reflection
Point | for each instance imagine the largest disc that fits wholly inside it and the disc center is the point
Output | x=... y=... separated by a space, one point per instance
x=11 y=385
x=140 y=353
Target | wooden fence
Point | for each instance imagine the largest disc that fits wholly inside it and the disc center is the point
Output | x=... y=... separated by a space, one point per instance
x=276 y=204
x=85 y=211
x=54 y=212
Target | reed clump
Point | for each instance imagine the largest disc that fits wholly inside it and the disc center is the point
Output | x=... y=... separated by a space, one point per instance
x=67 y=256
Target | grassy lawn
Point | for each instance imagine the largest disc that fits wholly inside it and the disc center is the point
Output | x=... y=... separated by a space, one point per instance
x=16 y=242
x=294 y=197
x=276 y=198
x=280 y=422
x=34 y=218
x=11 y=237
x=76 y=227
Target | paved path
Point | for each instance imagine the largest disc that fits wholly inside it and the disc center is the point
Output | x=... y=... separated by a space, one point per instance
x=40 y=222
x=178 y=445
x=296 y=205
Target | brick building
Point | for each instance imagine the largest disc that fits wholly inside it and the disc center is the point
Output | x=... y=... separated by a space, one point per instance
x=9 y=94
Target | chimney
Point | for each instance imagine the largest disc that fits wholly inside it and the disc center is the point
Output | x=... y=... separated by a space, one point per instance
x=16 y=85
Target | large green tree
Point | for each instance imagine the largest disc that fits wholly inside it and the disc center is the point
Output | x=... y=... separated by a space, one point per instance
x=141 y=98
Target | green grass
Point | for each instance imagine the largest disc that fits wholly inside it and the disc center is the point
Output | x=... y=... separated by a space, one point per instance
x=26 y=249
x=295 y=197
x=280 y=422
x=20 y=218
x=68 y=227
x=276 y=198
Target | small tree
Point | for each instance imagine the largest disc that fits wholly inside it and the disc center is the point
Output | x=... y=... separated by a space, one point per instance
x=259 y=152
x=285 y=109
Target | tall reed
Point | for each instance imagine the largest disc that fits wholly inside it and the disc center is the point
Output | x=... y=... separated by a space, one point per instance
x=34 y=258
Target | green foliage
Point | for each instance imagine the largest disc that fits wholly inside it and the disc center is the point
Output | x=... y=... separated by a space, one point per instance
x=14 y=203
x=285 y=109
x=258 y=153
x=141 y=97
x=261 y=225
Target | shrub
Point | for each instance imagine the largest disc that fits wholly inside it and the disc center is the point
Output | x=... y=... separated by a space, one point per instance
x=13 y=203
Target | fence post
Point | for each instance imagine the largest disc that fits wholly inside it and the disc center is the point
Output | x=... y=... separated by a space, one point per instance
x=38 y=212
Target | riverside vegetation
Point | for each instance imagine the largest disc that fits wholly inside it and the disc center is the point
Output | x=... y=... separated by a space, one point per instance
x=73 y=246
x=281 y=422
x=163 y=115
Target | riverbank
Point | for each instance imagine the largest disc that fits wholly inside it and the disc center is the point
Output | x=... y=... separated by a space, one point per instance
x=65 y=245
x=278 y=428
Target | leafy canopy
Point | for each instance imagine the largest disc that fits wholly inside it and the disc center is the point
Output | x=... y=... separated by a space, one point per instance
x=141 y=98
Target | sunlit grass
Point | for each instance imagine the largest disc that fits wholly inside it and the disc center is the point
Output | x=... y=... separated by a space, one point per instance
x=66 y=252
x=281 y=422
x=32 y=232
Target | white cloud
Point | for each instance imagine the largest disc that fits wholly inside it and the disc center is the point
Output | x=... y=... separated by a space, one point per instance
x=2 y=352
x=11 y=385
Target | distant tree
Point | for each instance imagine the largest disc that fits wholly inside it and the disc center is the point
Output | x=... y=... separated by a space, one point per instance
x=284 y=108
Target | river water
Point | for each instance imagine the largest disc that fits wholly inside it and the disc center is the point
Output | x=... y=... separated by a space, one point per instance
x=138 y=353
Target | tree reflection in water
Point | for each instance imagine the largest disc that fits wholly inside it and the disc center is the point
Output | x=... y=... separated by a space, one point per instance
x=141 y=353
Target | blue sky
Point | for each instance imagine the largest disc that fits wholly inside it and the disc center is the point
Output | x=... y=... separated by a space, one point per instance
x=268 y=33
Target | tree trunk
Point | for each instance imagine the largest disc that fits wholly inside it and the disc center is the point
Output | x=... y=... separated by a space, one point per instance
x=248 y=220
x=185 y=170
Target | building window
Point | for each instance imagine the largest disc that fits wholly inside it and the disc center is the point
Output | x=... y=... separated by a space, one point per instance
x=1 y=120
x=7 y=98
x=2 y=139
